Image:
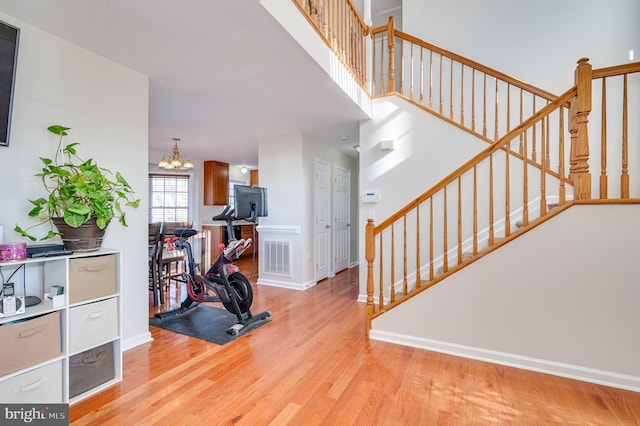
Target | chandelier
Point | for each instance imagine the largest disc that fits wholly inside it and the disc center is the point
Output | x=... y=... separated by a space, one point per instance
x=175 y=162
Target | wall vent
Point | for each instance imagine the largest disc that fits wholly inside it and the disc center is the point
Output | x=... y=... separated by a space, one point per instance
x=276 y=259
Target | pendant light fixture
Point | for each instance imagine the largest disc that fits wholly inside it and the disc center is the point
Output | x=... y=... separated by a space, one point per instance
x=176 y=162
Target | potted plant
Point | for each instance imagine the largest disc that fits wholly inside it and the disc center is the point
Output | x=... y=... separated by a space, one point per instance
x=82 y=197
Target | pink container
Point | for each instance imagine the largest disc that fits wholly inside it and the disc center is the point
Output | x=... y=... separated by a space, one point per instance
x=15 y=251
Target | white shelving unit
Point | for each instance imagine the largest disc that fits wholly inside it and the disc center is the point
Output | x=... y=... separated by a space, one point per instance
x=62 y=350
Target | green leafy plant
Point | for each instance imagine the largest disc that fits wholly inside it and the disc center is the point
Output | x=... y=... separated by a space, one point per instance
x=78 y=191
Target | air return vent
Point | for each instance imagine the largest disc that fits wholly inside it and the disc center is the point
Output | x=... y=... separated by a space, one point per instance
x=277 y=257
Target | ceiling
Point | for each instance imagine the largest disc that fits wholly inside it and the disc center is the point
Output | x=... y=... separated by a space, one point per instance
x=221 y=73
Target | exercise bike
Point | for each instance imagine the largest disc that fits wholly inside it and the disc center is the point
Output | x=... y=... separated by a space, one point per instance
x=223 y=282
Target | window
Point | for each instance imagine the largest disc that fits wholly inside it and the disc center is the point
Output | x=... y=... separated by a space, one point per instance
x=232 y=193
x=169 y=198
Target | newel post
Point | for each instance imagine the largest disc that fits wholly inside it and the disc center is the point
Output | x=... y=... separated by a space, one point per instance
x=580 y=109
x=370 y=255
x=391 y=42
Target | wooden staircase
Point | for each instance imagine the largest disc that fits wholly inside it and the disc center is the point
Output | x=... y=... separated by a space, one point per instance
x=502 y=192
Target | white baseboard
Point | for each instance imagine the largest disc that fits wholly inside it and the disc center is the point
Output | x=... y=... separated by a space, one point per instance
x=600 y=377
x=284 y=284
x=137 y=340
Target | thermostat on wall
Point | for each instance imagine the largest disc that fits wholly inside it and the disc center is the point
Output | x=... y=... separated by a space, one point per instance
x=371 y=197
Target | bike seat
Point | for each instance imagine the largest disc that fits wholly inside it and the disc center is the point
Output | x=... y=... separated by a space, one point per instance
x=184 y=232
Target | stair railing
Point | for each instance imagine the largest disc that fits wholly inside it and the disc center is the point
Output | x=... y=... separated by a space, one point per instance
x=340 y=25
x=494 y=197
x=474 y=97
x=488 y=201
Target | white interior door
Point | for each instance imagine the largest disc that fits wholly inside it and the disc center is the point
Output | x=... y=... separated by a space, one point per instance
x=341 y=215
x=323 y=221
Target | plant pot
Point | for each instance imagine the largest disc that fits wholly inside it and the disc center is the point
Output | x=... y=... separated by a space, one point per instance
x=86 y=237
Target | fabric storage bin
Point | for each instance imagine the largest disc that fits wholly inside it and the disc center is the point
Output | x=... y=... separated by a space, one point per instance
x=42 y=386
x=29 y=342
x=91 y=277
x=92 y=324
x=90 y=368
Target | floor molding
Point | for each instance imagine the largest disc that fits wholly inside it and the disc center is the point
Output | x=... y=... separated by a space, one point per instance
x=600 y=377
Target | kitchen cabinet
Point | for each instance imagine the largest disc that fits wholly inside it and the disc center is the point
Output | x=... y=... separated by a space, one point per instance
x=216 y=183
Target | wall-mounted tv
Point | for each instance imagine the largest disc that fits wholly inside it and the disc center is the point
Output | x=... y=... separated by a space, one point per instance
x=8 y=58
x=251 y=202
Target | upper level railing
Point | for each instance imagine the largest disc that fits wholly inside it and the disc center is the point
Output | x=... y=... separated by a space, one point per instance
x=340 y=25
x=479 y=99
x=494 y=197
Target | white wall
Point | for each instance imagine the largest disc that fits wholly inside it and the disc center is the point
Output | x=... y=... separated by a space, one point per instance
x=426 y=151
x=281 y=172
x=562 y=298
x=107 y=106
x=537 y=42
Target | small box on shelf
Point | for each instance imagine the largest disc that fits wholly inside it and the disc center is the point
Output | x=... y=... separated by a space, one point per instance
x=56 y=301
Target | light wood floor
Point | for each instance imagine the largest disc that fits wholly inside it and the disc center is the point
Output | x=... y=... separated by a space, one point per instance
x=312 y=365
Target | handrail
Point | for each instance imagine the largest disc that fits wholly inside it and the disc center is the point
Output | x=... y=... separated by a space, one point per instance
x=500 y=145
x=451 y=85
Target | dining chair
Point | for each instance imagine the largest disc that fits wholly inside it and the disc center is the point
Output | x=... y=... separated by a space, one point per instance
x=155 y=248
x=172 y=262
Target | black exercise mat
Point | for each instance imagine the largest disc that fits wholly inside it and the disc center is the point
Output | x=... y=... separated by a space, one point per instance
x=204 y=322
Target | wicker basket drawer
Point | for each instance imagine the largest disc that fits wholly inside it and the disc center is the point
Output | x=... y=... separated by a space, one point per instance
x=92 y=324
x=26 y=343
x=91 y=368
x=91 y=277
x=42 y=385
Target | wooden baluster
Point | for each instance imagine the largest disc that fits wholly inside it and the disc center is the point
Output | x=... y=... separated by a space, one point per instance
x=580 y=172
x=543 y=170
x=533 y=137
x=381 y=273
x=604 y=180
x=508 y=107
x=374 y=89
x=548 y=141
x=459 y=220
x=475 y=210
x=402 y=67
x=405 y=258
x=411 y=88
x=451 y=90
x=391 y=44
x=491 y=234
x=430 y=238
x=563 y=190
x=521 y=149
x=624 y=179
x=484 y=107
x=525 y=182
x=421 y=77
x=445 y=263
x=418 y=279
x=440 y=77
x=462 y=94
x=370 y=254
x=431 y=79
x=473 y=99
x=507 y=197
x=392 y=286
x=496 y=113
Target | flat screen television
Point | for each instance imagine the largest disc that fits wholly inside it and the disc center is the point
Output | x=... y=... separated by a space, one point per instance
x=250 y=202
x=8 y=56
